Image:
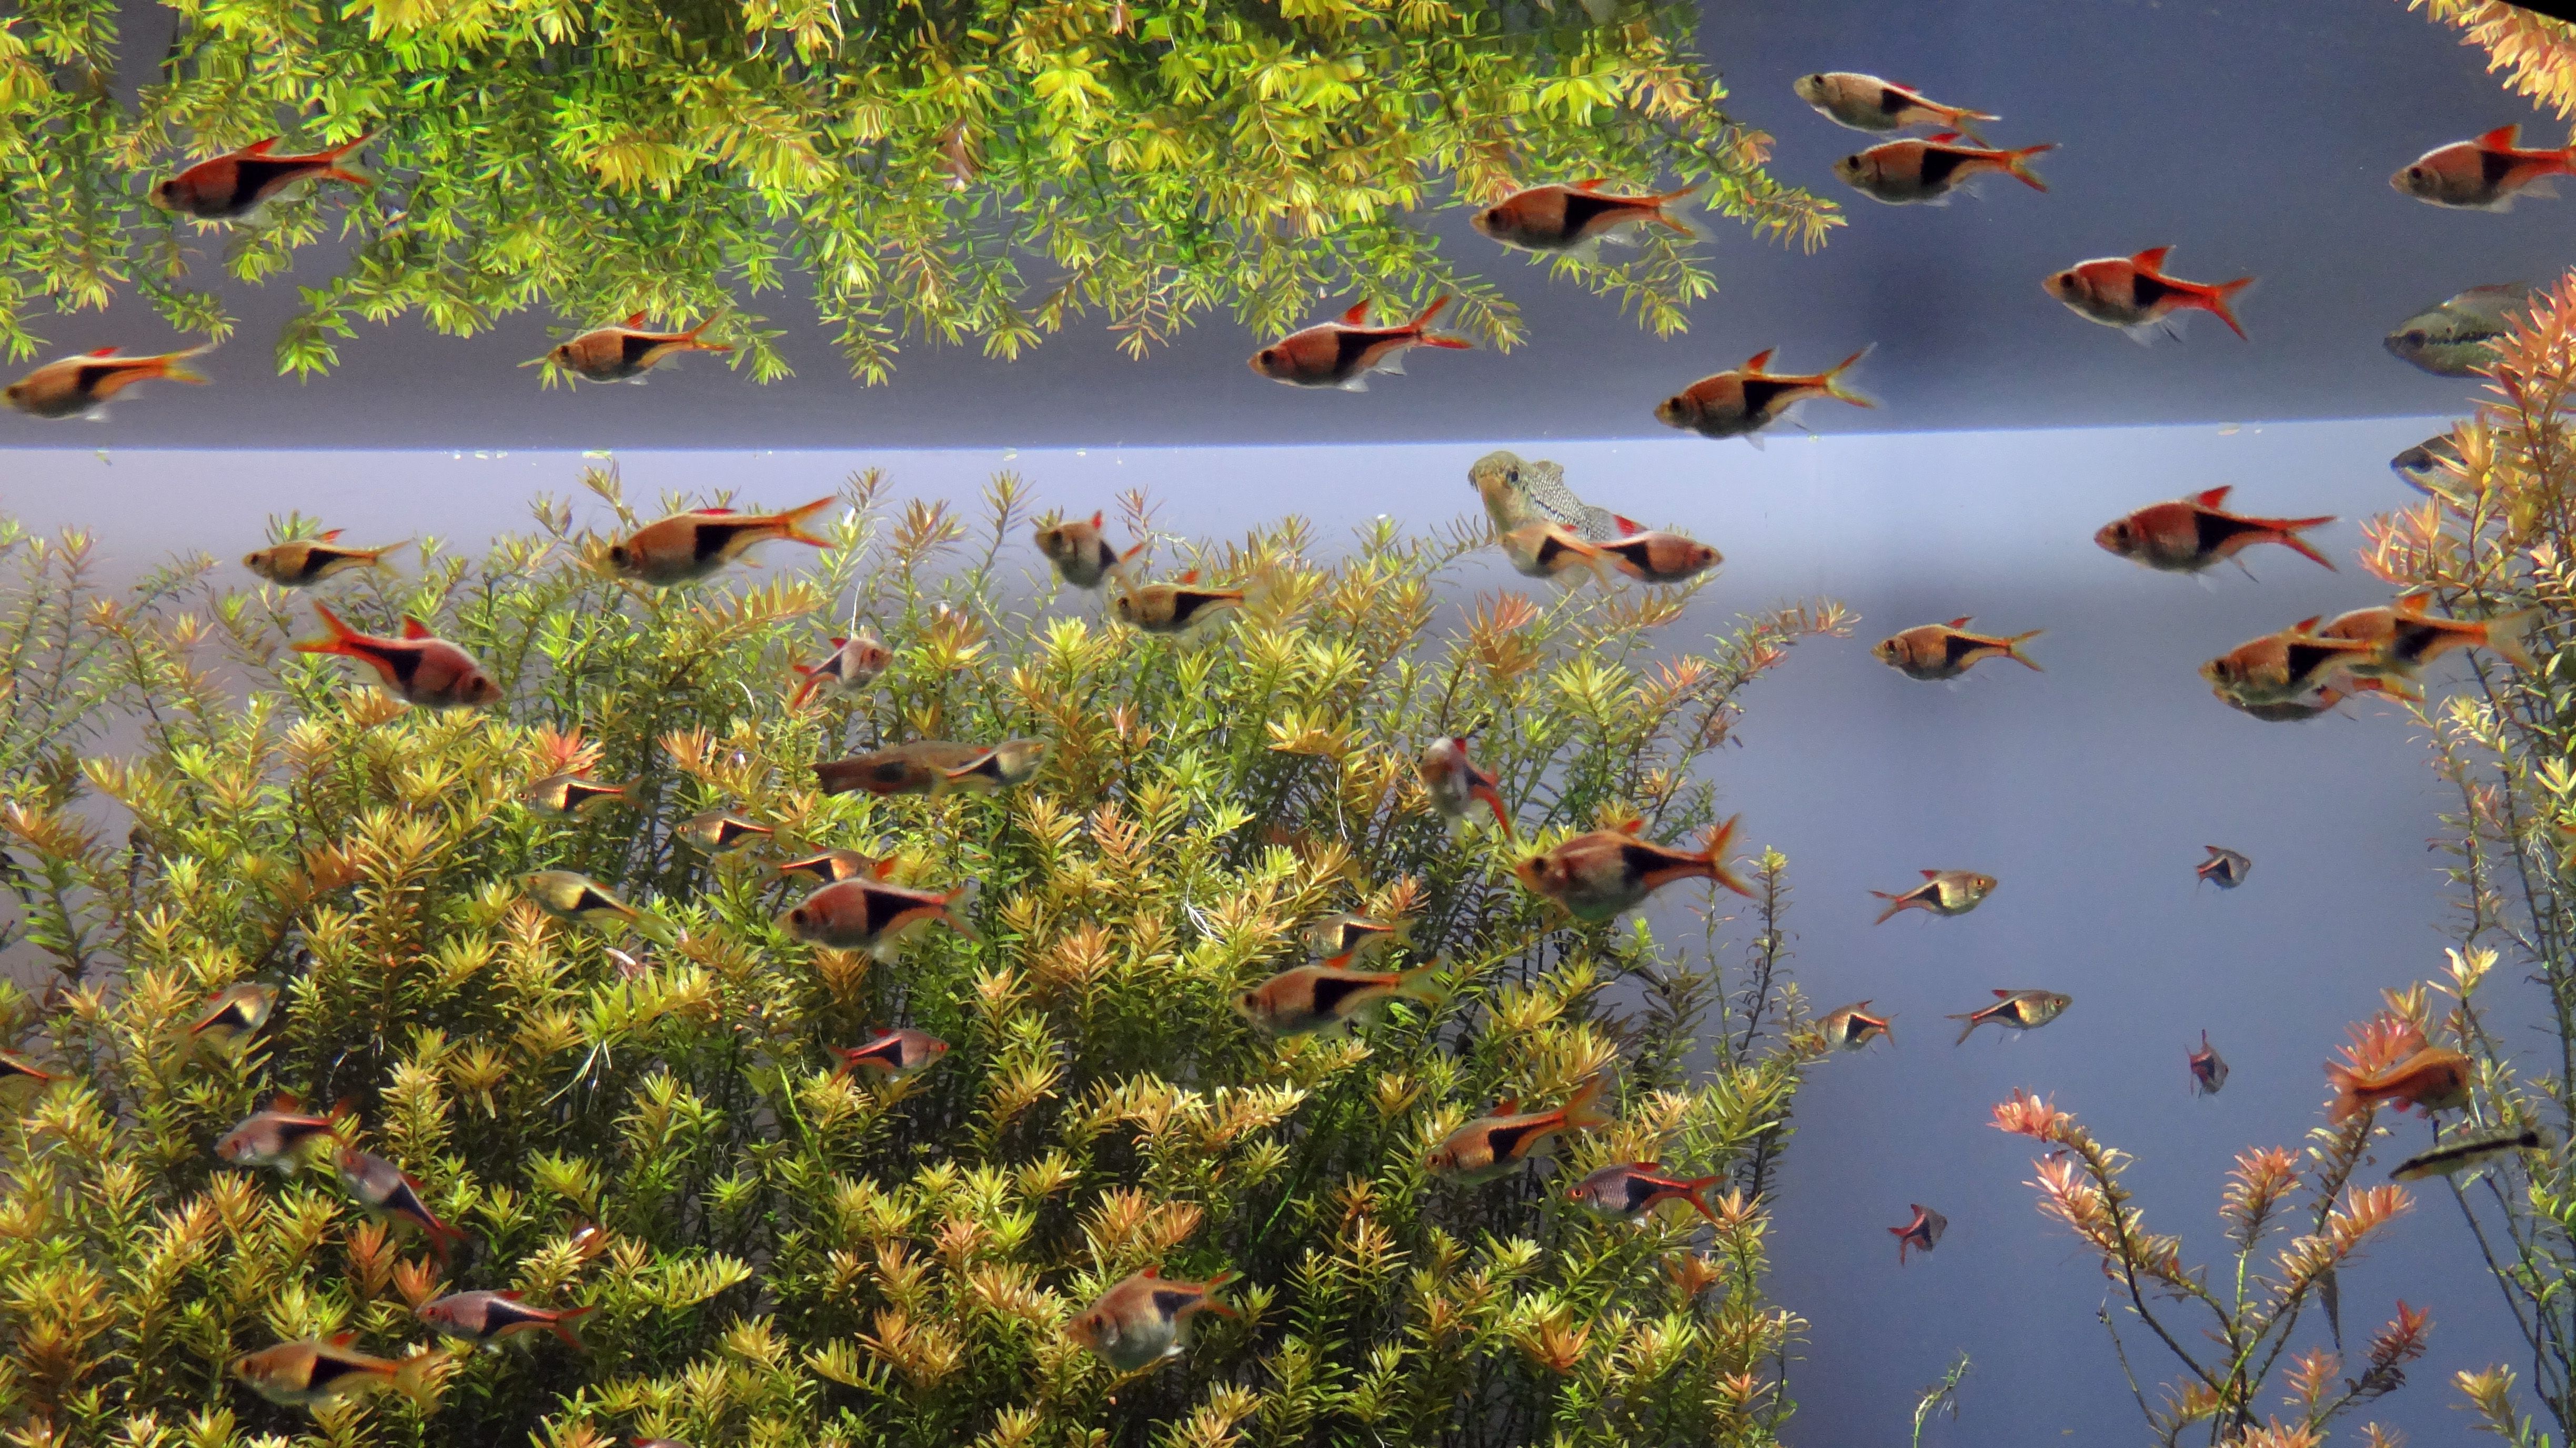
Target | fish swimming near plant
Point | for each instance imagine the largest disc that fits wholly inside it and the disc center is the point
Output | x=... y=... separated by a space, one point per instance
x=2486 y=174
x=1660 y=557
x=1082 y=557
x=1597 y=875
x=626 y=352
x=2431 y=1079
x=2224 y=868
x=1934 y=652
x=235 y=1013
x=1865 y=103
x=18 y=1071
x=2430 y=467
x=1455 y=784
x=83 y=386
x=852 y=665
x=1518 y=493
x=1926 y=172
x=2134 y=294
x=1186 y=606
x=1577 y=219
x=1629 y=1190
x=487 y=1318
x=304 y=562
x=571 y=794
x=2457 y=337
x=1494 y=1145
x=235 y=185
x=1943 y=892
x=694 y=545
x=920 y=767
x=1545 y=550
x=567 y=895
x=1342 y=354
x=275 y=1138
x=1742 y=401
x=719 y=832
x=1011 y=762
x=2462 y=1155
x=314 y=1371
x=2408 y=638
x=1852 y=1027
x=1921 y=1234
x=1144 y=1319
x=2208 y=1068
x=2022 y=1010
x=419 y=668
x=828 y=866
x=1355 y=936
x=873 y=916
x=1331 y=995
x=894 y=1054
x=386 y=1188
x=2190 y=534
x=2291 y=711
x=2288 y=665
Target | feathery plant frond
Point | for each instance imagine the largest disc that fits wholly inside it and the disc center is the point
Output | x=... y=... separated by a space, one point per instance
x=2538 y=51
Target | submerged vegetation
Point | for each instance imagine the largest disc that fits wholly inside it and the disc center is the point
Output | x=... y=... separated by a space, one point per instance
x=983 y=172
x=643 y=1118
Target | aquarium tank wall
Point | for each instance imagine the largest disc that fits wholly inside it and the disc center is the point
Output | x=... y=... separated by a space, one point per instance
x=1126 y=723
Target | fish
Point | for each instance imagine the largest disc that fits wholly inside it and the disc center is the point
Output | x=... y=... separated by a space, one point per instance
x=16 y=1070
x=275 y=1138
x=686 y=546
x=1632 y=1189
x=484 y=1318
x=1142 y=1320
x=1172 y=608
x=625 y=352
x=1907 y=173
x=419 y=668
x=2430 y=466
x=2287 y=711
x=2433 y=1079
x=1851 y=1028
x=570 y=794
x=2224 y=868
x=313 y=1371
x=83 y=386
x=1343 y=353
x=236 y=1011
x=719 y=831
x=829 y=866
x=854 y=663
x=2194 y=533
x=1011 y=762
x=1744 y=400
x=1578 y=218
x=2134 y=294
x=1329 y=995
x=894 y=1054
x=387 y=1188
x=1494 y=1145
x=1935 y=651
x=2023 y=1010
x=304 y=562
x=1454 y=783
x=1943 y=892
x=955 y=154
x=578 y=898
x=873 y=916
x=1355 y=936
x=920 y=767
x=237 y=184
x=2409 y=638
x=2474 y=1154
x=1597 y=875
x=1653 y=557
x=1517 y=493
x=1544 y=550
x=1866 y=103
x=1922 y=1234
x=2457 y=337
x=2487 y=174
x=2208 y=1068
x=2280 y=667
x=1082 y=558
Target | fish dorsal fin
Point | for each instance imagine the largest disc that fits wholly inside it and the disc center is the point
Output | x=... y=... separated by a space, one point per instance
x=1357 y=316
x=1190 y=577
x=2308 y=624
x=1931 y=874
x=2152 y=259
x=840 y=643
x=343 y=1337
x=885 y=868
x=635 y=321
x=1588 y=183
x=2501 y=138
x=1099 y=516
x=414 y=629
x=717 y=512
x=2413 y=602
x=1632 y=824
x=1507 y=1106
x=101 y=352
x=2215 y=497
x=327 y=537
x=1627 y=526
x=510 y=1296
x=1960 y=622
x=259 y=148
x=1650 y=1166
x=1155 y=1272
x=287 y=1102
x=1942 y=138
x=1759 y=360
x=1999 y=995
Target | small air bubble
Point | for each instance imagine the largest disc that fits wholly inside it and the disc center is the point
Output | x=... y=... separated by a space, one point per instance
x=2230 y=430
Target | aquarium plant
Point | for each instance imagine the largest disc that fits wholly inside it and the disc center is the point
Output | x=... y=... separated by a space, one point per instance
x=648 y=1115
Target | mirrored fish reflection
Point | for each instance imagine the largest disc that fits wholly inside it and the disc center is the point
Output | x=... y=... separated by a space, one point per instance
x=2430 y=467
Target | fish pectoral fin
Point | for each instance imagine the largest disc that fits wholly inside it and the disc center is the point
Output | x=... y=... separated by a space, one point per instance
x=1356 y=384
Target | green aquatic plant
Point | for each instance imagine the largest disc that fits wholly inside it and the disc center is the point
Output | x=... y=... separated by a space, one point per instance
x=650 y=1124
x=978 y=173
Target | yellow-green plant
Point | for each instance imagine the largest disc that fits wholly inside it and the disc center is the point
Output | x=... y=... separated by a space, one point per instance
x=780 y=1255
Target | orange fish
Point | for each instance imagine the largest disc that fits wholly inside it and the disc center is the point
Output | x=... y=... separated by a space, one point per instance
x=834 y=865
x=1866 y=103
x=718 y=831
x=1454 y=783
x=388 y=1189
x=920 y=767
x=1597 y=875
x=853 y=664
x=2224 y=868
x=1083 y=558
x=235 y=1012
x=1660 y=557
x=1851 y=1028
x=2023 y=1010
x=873 y=916
x=1495 y=1145
x=2134 y=294
x=1355 y=936
x=1328 y=996
x=1342 y=354
x=275 y=1137
x=1172 y=608
x=1011 y=762
x=625 y=353
x=1903 y=173
x=83 y=386
x=2409 y=638
x=1141 y=1320
x=316 y=1370
x=2208 y=1068
x=893 y=1054
x=16 y=1070
x=2283 y=667
x=570 y=794
x=1943 y=892
x=2190 y=534
x=1576 y=218
x=420 y=668
x=2486 y=174
x=483 y=1318
x=694 y=545
x=1633 y=1189
x=1742 y=402
x=2432 y=1079
x=235 y=184
x=1938 y=651
x=304 y=562
x=1545 y=550
x=1922 y=1234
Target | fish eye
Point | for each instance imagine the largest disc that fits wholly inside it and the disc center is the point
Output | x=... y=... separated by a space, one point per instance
x=2415 y=337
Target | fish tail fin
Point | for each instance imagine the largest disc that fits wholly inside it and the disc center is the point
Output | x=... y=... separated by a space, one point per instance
x=1124 y=570
x=567 y=1325
x=1683 y=222
x=953 y=908
x=1493 y=799
x=1695 y=1192
x=788 y=522
x=2508 y=634
x=175 y=366
x=1417 y=985
x=690 y=340
x=1973 y=1019
x=376 y=559
x=1584 y=1112
x=2285 y=531
x=1420 y=327
x=1208 y=1301
x=814 y=677
x=2018 y=163
x=1833 y=379
x=1713 y=853
x=2349 y=1100
x=338 y=643
x=1895 y=904
x=2012 y=645
x=654 y=928
x=2217 y=303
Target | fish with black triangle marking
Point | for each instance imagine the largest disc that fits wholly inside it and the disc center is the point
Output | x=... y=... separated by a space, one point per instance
x=1935 y=652
x=1342 y=354
x=626 y=352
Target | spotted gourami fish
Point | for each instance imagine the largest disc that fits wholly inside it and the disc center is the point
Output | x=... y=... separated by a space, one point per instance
x=1330 y=995
x=388 y=1189
x=236 y=184
x=235 y=1012
x=2432 y=1079
x=686 y=546
x=1922 y=1234
x=2134 y=294
x=1455 y=785
x=2457 y=338
x=1936 y=651
x=1343 y=353
x=1517 y=493
x=2208 y=1068
x=894 y=1054
x=1578 y=218
x=419 y=668
x=571 y=794
x=2224 y=868
x=1185 y=606
x=873 y=916
x=1495 y=1145
x=484 y=1318
x=304 y=562
x=1866 y=103
x=2430 y=467
x=920 y=767
x=1083 y=558
x=1142 y=1320
x=1907 y=173
x=1597 y=875
x=317 y=1370
x=2191 y=534
x=624 y=353
x=1852 y=1027
x=2486 y=174
x=1632 y=1189
x=2467 y=1154
x=275 y=1138
x=718 y=831
x=83 y=386
x=1943 y=892
x=854 y=663
x=1744 y=400
x=2023 y=1010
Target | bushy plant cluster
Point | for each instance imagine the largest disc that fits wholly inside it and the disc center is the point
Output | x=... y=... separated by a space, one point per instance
x=649 y=1123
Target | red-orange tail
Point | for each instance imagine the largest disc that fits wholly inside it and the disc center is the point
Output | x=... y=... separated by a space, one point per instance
x=787 y=522
x=814 y=674
x=567 y=1325
x=2018 y=163
x=1493 y=799
x=2285 y=531
x=1584 y=1112
x=332 y=168
x=343 y=639
x=2352 y=1096
x=1715 y=854
x=2215 y=299
x=1420 y=327
x=1695 y=1192
x=690 y=340
x=1209 y=1303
